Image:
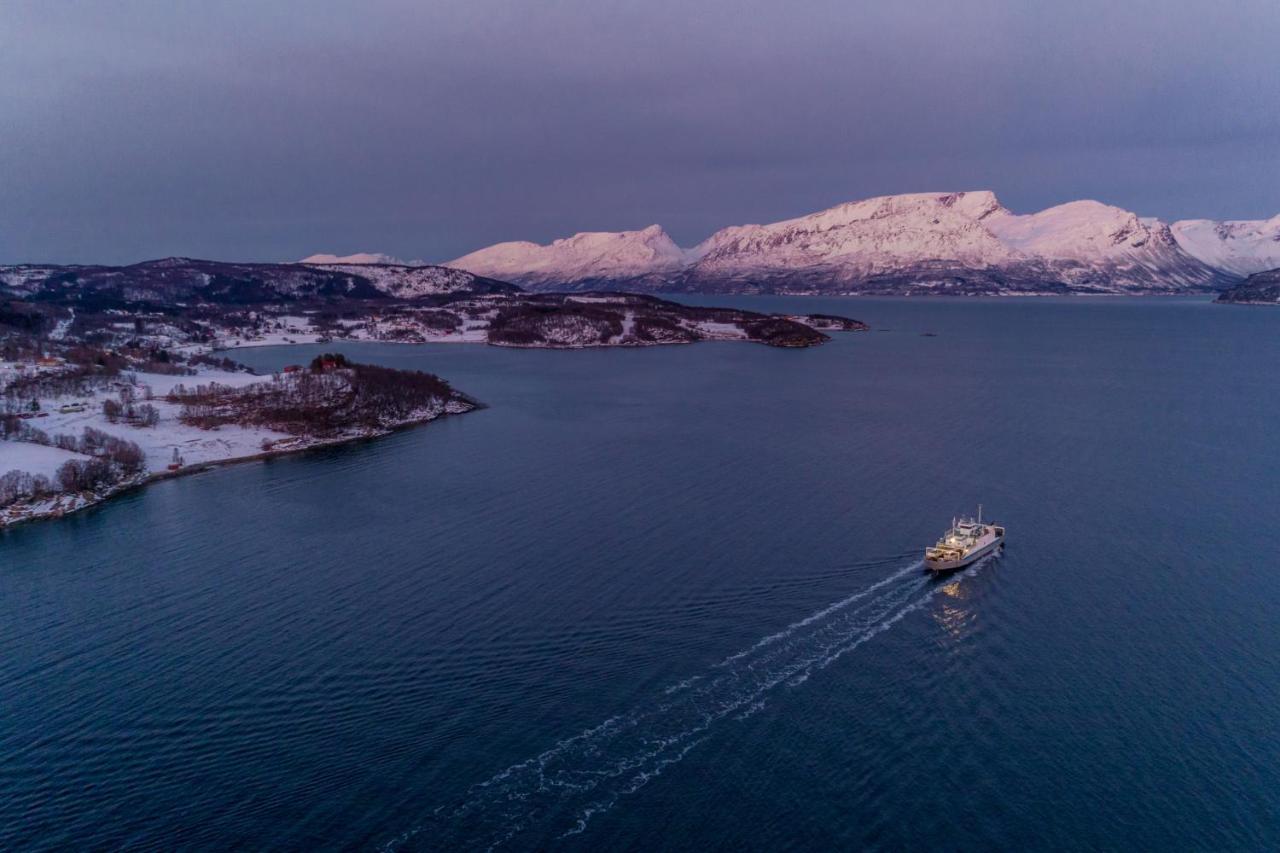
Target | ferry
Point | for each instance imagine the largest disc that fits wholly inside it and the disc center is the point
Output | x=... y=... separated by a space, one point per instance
x=968 y=541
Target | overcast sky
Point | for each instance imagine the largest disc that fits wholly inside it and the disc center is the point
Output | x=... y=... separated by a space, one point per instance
x=271 y=130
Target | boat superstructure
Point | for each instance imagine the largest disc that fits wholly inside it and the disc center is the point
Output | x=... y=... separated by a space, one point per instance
x=968 y=540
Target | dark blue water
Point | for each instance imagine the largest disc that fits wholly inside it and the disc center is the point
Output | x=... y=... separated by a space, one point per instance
x=669 y=599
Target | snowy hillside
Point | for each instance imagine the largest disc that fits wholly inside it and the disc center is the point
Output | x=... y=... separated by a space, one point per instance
x=866 y=234
x=1078 y=230
x=1243 y=247
x=964 y=242
x=407 y=282
x=170 y=280
x=1095 y=245
x=850 y=243
x=588 y=257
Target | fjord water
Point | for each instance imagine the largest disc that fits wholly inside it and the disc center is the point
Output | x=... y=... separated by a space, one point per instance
x=670 y=598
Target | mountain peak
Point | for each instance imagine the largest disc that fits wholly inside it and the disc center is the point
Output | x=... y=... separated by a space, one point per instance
x=1078 y=230
x=1241 y=246
x=585 y=256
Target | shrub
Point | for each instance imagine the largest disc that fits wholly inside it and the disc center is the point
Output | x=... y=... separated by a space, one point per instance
x=20 y=485
x=146 y=415
x=85 y=475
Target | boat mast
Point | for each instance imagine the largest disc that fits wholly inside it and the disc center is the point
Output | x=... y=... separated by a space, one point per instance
x=979 y=513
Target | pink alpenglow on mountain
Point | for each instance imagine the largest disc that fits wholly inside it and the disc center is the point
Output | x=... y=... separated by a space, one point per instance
x=597 y=256
x=1243 y=247
x=963 y=242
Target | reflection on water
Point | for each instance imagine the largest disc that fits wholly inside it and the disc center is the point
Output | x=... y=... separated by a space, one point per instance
x=955 y=610
x=950 y=613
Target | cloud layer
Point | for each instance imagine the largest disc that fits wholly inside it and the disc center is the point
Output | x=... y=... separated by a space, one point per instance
x=273 y=130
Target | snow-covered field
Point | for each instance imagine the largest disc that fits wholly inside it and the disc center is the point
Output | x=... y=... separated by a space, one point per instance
x=158 y=443
x=722 y=331
x=296 y=330
x=474 y=331
x=35 y=459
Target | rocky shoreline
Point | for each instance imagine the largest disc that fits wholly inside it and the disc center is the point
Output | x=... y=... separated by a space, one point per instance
x=1258 y=289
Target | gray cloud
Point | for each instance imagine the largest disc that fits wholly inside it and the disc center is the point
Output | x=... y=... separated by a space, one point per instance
x=271 y=130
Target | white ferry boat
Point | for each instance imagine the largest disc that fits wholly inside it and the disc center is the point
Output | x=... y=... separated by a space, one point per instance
x=968 y=541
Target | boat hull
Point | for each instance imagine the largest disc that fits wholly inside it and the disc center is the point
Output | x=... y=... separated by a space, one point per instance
x=941 y=566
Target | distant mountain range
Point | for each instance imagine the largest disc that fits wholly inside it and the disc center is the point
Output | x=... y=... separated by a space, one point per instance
x=921 y=243
x=965 y=242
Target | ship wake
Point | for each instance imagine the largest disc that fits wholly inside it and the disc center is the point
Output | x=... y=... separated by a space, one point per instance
x=558 y=792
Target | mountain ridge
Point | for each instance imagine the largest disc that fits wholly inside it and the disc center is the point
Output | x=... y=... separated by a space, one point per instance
x=168 y=281
x=1241 y=246
x=960 y=242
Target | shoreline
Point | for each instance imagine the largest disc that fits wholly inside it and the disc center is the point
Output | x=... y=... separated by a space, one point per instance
x=80 y=502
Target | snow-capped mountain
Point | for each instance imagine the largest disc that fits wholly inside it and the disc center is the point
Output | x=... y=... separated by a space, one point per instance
x=361 y=258
x=964 y=242
x=637 y=258
x=1091 y=245
x=1243 y=247
x=853 y=242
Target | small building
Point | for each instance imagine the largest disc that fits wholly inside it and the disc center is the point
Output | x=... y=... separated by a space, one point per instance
x=292 y=368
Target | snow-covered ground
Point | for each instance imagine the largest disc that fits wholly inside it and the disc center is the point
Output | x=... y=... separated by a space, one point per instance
x=721 y=331
x=64 y=325
x=195 y=446
x=298 y=330
x=35 y=459
x=294 y=330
